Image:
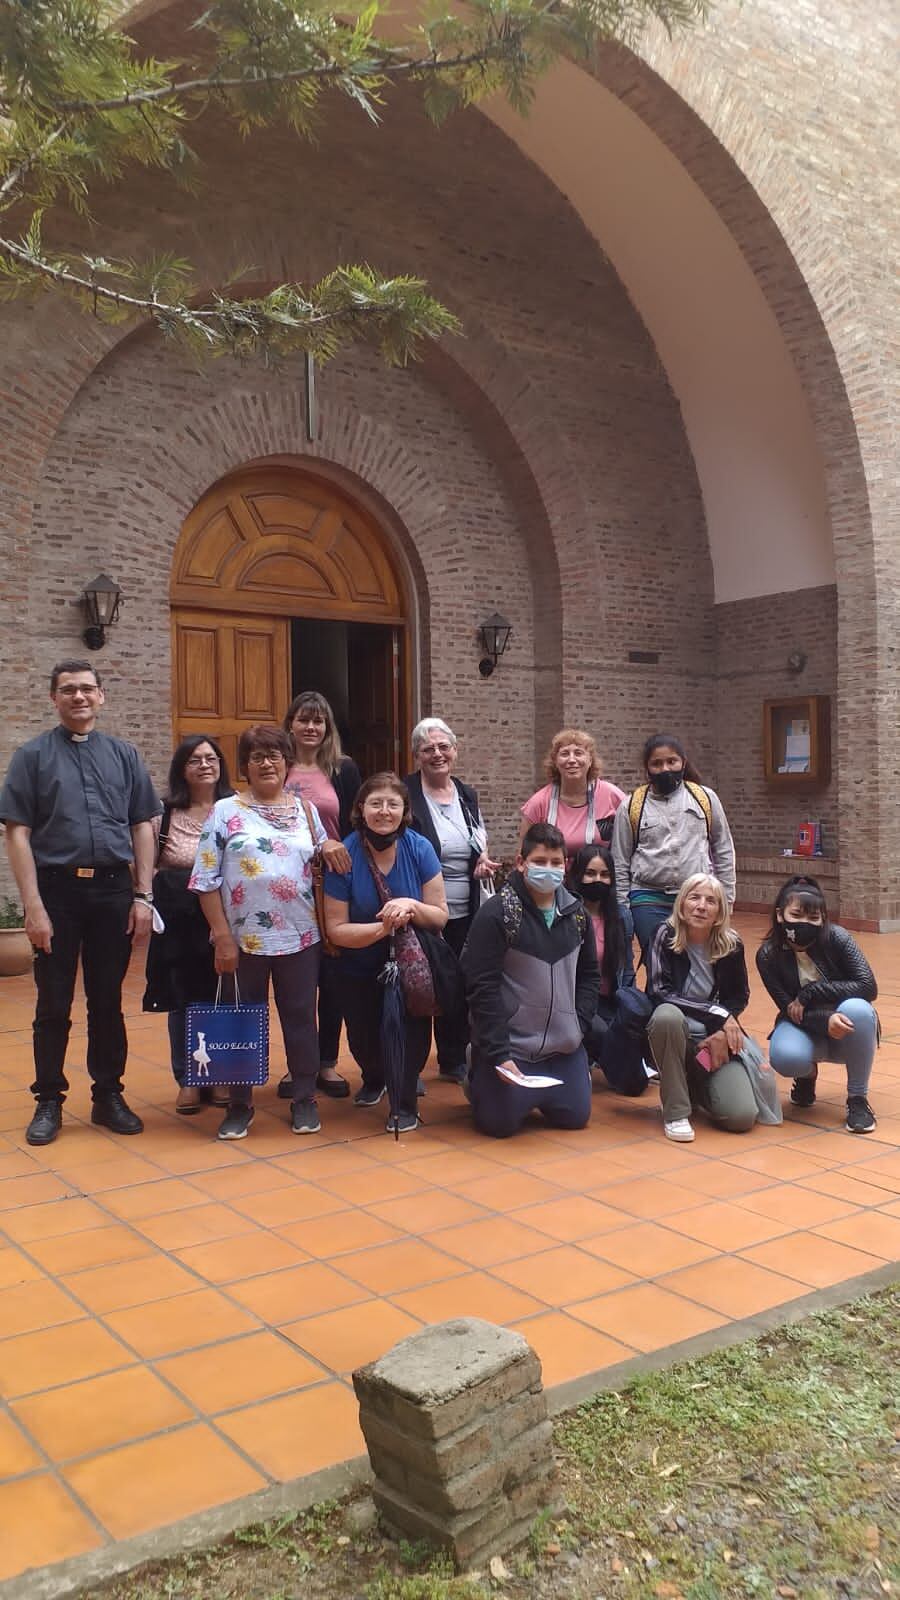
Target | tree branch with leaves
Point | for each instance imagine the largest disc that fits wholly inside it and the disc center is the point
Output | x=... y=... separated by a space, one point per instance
x=80 y=107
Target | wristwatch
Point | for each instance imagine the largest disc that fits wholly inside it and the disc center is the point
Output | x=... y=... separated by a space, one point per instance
x=145 y=899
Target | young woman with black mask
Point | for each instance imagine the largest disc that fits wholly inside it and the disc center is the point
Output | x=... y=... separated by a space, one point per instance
x=823 y=986
x=616 y=1038
x=670 y=827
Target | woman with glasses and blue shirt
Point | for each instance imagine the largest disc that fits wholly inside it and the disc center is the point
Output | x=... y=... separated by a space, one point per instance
x=446 y=812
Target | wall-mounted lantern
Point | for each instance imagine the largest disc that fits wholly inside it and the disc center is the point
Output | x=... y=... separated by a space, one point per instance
x=101 y=600
x=494 y=635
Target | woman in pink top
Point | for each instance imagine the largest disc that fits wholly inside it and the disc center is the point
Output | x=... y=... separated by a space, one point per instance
x=576 y=800
x=328 y=780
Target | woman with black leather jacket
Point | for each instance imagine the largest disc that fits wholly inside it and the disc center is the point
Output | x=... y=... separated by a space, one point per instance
x=823 y=987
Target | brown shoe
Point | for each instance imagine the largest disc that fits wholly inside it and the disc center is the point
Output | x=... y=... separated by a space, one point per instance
x=188 y=1102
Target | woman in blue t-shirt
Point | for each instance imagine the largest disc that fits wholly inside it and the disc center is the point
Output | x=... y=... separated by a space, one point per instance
x=360 y=926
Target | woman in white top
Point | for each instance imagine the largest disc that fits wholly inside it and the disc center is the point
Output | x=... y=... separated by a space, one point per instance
x=446 y=811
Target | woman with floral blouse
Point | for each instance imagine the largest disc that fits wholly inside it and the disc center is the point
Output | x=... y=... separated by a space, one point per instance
x=253 y=874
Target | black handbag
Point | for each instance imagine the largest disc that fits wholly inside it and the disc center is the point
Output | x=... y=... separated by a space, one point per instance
x=446 y=972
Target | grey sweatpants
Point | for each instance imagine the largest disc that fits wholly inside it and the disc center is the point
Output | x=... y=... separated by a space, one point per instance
x=726 y=1094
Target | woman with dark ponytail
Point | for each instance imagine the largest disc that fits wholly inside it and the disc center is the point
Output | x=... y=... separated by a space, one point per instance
x=616 y=1038
x=669 y=828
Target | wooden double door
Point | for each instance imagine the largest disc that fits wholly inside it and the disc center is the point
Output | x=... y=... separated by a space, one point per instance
x=282 y=583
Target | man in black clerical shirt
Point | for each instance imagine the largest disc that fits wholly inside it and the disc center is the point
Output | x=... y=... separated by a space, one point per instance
x=78 y=807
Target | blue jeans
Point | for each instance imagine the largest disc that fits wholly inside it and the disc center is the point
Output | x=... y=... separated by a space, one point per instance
x=794 y=1053
x=647 y=918
x=500 y=1108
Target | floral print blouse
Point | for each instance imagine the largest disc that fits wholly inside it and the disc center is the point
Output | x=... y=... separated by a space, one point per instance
x=261 y=861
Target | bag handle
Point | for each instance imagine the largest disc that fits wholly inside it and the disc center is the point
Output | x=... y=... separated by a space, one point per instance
x=237 y=992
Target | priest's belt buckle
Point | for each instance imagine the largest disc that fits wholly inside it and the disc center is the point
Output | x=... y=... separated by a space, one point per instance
x=84 y=872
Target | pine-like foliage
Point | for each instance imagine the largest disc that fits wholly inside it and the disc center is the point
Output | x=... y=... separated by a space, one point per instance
x=80 y=107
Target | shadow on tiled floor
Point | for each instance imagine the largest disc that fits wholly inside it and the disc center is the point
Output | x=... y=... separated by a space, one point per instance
x=178 y=1317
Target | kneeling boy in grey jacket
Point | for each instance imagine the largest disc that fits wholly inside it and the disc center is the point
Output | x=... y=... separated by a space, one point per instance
x=532 y=981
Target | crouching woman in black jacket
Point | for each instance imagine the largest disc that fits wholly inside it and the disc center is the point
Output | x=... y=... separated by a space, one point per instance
x=822 y=985
x=532 y=981
x=697 y=980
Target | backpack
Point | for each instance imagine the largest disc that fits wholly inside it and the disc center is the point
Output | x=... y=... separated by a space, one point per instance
x=512 y=909
x=638 y=799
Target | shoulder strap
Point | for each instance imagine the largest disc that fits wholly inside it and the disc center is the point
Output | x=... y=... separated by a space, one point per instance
x=553 y=805
x=381 y=883
x=636 y=803
x=511 y=910
x=307 y=812
x=165 y=823
x=703 y=801
x=590 y=821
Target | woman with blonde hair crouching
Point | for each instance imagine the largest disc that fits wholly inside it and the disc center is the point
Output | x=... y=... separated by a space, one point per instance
x=697 y=980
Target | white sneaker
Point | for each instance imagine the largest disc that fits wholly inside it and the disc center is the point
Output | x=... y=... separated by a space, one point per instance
x=680 y=1130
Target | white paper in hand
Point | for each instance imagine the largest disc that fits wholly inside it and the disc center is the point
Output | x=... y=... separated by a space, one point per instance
x=526 y=1080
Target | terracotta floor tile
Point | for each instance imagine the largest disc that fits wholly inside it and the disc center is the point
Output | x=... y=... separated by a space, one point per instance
x=339 y=1232
x=811 y=1259
x=567 y=1349
x=646 y=1316
x=343 y=1340
x=560 y=1276
x=423 y=1213
x=655 y=1154
x=200 y=1225
x=240 y=1371
x=81 y=1418
x=483 y=1243
x=299 y=1433
x=93 y=1247
x=647 y=1197
x=130 y=1283
x=283 y=1296
x=508 y=1190
x=58 y=1355
x=892 y=1209
x=153 y=1199
x=250 y=1254
x=647 y=1249
x=727 y=1227
x=31 y=1191
x=844 y=1187
x=312 y=1165
x=403 y=1265
x=722 y=1181
x=300 y=1202
x=169 y=1478
x=16 y=1454
x=99 y=1177
x=871 y=1231
x=451 y=1168
x=475 y=1294
x=883 y=1172
x=46 y=1222
x=15 y=1268
x=27 y=1307
x=576 y=1216
x=583 y=1174
x=803 y=1207
x=366 y=1187
x=17 y=1164
x=41 y=1523
x=784 y=1162
x=184 y=1323
x=888 y=1127
x=735 y=1287
x=246 y=1177
x=842 y=1149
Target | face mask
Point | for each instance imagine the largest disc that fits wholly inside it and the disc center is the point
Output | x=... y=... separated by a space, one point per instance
x=382 y=841
x=596 y=893
x=664 y=783
x=802 y=934
x=545 y=879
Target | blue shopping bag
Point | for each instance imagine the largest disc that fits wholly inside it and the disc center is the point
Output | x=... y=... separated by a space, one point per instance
x=226 y=1043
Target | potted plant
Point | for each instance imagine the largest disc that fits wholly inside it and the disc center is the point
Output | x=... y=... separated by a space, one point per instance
x=16 y=954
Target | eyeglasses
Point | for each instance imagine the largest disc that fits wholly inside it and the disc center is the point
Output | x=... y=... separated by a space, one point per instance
x=435 y=749
x=69 y=690
x=202 y=761
x=259 y=758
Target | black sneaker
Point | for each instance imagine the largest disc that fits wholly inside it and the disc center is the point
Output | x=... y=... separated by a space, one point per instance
x=368 y=1095
x=404 y=1122
x=305 y=1117
x=286 y=1087
x=803 y=1090
x=112 y=1112
x=45 y=1124
x=236 y=1122
x=860 y=1116
x=453 y=1074
x=335 y=1088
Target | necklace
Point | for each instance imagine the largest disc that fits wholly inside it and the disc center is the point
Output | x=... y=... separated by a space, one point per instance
x=278 y=813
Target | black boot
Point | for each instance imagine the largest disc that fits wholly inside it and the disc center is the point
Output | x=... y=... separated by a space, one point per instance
x=45 y=1124
x=112 y=1112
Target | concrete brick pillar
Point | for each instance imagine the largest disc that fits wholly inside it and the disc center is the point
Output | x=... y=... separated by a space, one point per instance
x=455 y=1420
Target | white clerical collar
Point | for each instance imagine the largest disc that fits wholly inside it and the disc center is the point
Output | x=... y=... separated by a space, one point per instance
x=79 y=738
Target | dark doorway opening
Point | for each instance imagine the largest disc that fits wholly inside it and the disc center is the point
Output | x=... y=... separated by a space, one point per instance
x=358 y=667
